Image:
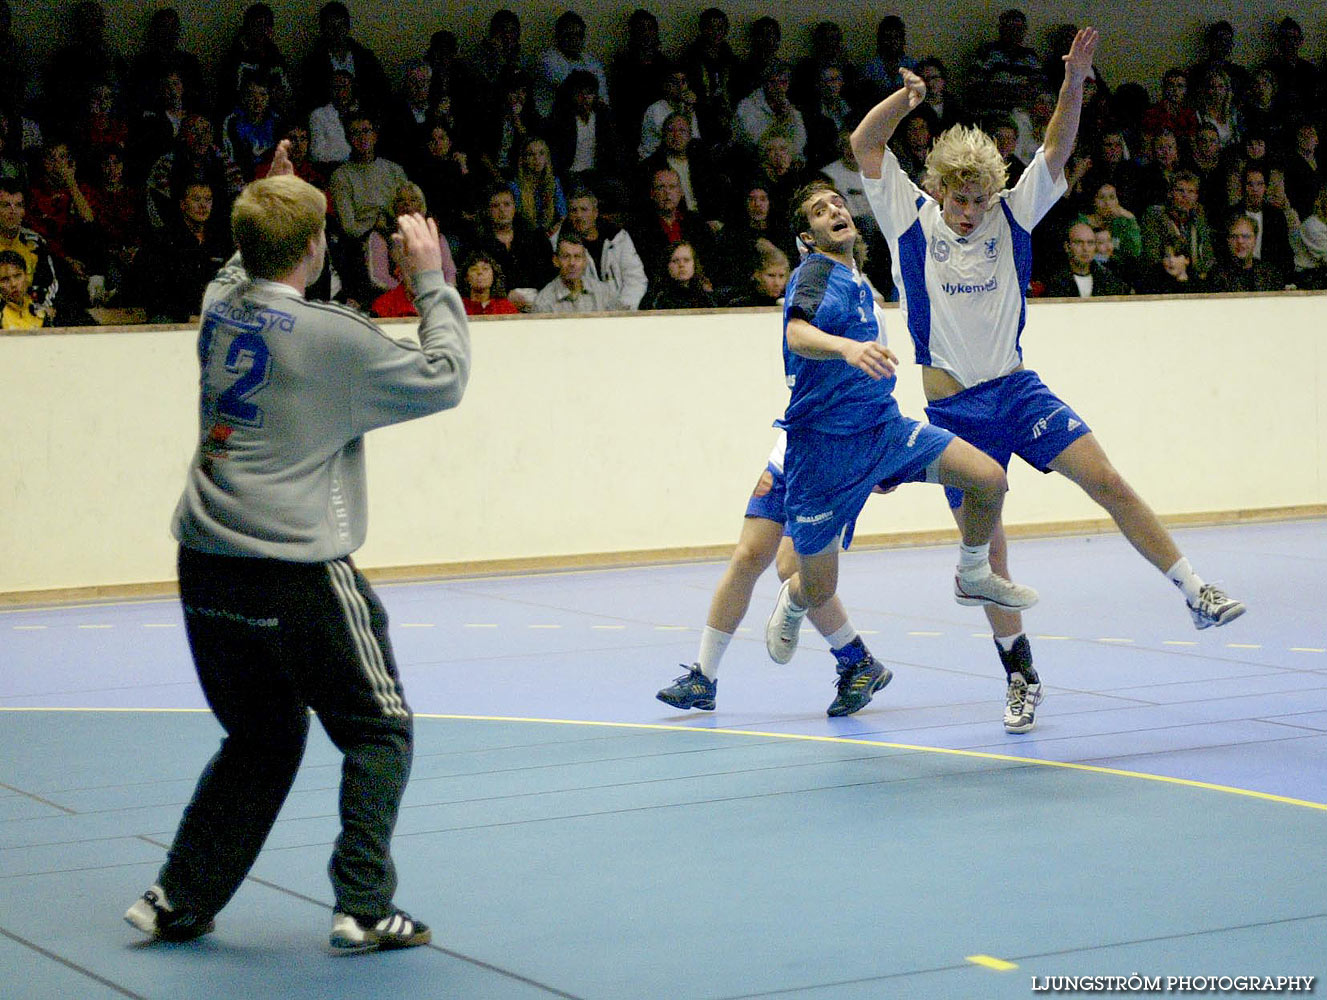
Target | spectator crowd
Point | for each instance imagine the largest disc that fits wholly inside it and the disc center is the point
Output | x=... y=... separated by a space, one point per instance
x=569 y=180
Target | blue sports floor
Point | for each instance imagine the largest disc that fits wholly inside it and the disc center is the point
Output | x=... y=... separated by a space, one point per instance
x=567 y=835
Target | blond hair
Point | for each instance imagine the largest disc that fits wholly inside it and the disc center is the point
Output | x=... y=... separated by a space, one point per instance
x=963 y=156
x=273 y=220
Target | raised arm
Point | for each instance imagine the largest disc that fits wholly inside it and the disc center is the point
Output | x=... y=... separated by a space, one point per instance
x=875 y=130
x=1062 y=130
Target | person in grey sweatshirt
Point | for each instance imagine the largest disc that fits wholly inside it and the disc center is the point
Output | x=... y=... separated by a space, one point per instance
x=278 y=618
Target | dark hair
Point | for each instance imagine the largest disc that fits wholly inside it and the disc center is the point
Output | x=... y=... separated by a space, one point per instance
x=333 y=8
x=712 y=14
x=582 y=191
x=12 y=185
x=568 y=18
x=697 y=279
x=13 y=258
x=502 y=17
x=1173 y=72
x=798 y=220
x=567 y=236
x=499 y=289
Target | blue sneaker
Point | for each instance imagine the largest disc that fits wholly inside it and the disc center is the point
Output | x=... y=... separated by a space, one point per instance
x=692 y=690
x=858 y=683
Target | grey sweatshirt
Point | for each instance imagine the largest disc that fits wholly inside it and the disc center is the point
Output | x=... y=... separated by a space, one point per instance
x=288 y=389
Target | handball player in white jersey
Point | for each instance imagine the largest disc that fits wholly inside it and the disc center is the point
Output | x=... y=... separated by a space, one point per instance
x=962 y=261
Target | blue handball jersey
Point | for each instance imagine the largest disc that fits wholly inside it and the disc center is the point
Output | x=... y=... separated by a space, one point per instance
x=832 y=396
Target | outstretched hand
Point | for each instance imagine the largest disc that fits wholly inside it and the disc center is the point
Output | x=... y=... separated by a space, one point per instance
x=281 y=165
x=1078 y=63
x=914 y=85
x=417 y=246
x=871 y=357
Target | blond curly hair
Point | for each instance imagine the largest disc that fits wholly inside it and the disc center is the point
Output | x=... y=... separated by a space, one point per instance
x=963 y=156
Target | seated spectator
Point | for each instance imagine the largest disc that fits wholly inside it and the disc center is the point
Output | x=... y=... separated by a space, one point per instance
x=1107 y=213
x=58 y=208
x=1309 y=239
x=444 y=174
x=1031 y=123
x=912 y=144
x=1172 y=113
x=826 y=50
x=483 y=288
x=521 y=252
x=1179 y=222
x=159 y=55
x=405 y=124
x=1112 y=164
x=43 y=282
x=384 y=274
x=503 y=134
x=1082 y=276
x=1272 y=230
x=768 y=280
x=499 y=52
x=538 y=192
x=1208 y=165
x=100 y=124
x=1302 y=169
x=1007 y=72
x=705 y=187
x=879 y=76
x=254 y=53
x=764 y=38
x=610 y=251
x=1264 y=112
x=582 y=136
x=87 y=58
x=328 y=142
x=1003 y=131
x=946 y=109
x=335 y=50
x=567 y=53
x=826 y=115
x=177 y=263
x=296 y=133
x=769 y=107
x=117 y=211
x=157 y=128
x=1215 y=106
x=678 y=98
x=846 y=177
x=362 y=189
x=780 y=171
x=573 y=291
x=680 y=283
x=19 y=310
x=453 y=87
x=1154 y=176
x=250 y=132
x=1219 y=42
x=1240 y=271
x=711 y=66
x=637 y=73
x=195 y=158
x=1170 y=275
x=666 y=221
x=1297 y=78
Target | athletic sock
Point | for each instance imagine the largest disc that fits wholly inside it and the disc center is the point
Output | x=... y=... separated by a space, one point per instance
x=852 y=653
x=1183 y=576
x=1017 y=657
x=845 y=634
x=1006 y=642
x=712 y=646
x=974 y=560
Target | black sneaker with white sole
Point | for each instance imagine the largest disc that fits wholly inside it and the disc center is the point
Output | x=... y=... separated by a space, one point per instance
x=353 y=935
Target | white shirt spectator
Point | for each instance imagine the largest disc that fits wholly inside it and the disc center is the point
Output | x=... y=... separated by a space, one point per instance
x=651 y=127
x=755 y=116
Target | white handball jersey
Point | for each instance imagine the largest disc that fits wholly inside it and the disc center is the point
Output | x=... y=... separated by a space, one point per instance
x=964 y=298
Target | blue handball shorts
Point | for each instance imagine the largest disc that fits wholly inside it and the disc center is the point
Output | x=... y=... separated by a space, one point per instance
x=1013 y=415
x=767 y=498
x=830 y=476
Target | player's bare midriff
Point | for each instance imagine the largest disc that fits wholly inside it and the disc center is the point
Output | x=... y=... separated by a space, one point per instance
x=940 y=384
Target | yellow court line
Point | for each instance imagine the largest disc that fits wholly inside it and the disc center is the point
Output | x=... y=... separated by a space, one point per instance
x=991 y=962
x=1178 y=642
x=1307 y=649
x=797 y=737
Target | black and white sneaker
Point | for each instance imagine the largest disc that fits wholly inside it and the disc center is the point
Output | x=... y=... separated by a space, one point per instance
x=1020 y=704
x=155 y=917
x=1213 y=607
x=355 y=935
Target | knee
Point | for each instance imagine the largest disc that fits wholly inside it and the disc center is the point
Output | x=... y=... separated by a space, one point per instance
x=750 y=560
x=1108 y=488
x=989 y=483
x=816 y=592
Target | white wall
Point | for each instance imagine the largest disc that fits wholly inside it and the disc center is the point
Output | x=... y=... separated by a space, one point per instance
x=646 y=432
x=1138 y=35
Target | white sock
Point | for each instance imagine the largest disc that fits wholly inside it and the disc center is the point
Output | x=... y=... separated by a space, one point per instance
x=712 y=645
x=1183 y=576
x=974 y=560
x=1006 y=642
x=844 y=635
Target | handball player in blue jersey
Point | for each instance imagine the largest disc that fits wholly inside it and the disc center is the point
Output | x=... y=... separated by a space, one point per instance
x=846 y=438
x=962 y=260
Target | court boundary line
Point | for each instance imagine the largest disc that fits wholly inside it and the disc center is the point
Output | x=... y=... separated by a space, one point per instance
x=795 y=737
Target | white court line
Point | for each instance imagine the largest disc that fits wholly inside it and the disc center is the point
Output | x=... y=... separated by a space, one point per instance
x=1178 y=642
x=1307 y=649
x=604 y=628
x=30 y=628
x=1114 y=639
x=1243 y=645
x=543 y=626
x=161 y=624
x=926 y=633
x=479 y=625
x=98 y=627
